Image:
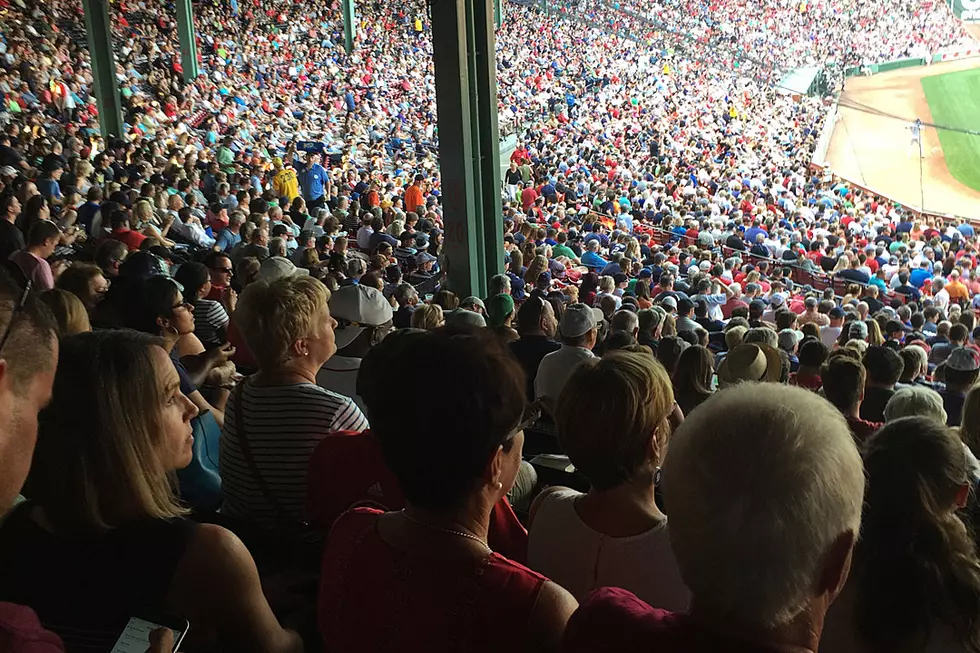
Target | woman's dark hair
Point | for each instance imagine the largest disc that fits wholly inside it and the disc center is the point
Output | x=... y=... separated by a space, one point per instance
x=192 y=276
x=447 y=299
x=618 y=340
x=153 y=298
x=693 y=372
x=31 y=212
x=915 y=566
x=590 y=284
x=439 y=456
x=669 y=350
x=812 y=353
x=642 y=289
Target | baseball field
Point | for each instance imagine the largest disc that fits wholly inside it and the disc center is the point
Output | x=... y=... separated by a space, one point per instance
x=954 y=100
x=872 y=145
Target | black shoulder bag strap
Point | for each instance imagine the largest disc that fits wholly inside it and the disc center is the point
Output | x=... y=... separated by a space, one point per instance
x=281 y=512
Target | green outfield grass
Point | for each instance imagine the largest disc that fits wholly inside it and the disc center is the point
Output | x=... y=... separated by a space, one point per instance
x=954 y=100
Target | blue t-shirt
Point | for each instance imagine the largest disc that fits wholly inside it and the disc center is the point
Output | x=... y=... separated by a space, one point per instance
x=312 y=180
x=49 y=188
x=227 y=239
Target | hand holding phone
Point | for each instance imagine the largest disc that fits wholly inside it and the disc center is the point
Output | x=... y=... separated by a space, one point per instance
x=143 y=635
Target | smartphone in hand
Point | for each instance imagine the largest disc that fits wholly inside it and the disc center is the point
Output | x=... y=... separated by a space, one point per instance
x=135 y=637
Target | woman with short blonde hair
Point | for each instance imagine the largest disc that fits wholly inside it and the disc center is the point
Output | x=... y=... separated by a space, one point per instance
x=428 y=317
x=613 y=419
x=287 y=326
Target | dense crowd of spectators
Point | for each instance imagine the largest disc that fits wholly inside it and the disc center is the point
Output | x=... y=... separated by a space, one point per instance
x=240 y=391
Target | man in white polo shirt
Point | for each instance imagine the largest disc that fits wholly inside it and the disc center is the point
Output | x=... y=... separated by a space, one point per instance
x=578 y=336
x=364 y=318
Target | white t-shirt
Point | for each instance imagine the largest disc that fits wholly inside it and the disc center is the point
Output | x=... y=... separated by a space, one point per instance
x=829 y=335
x=283 y=424
x=580 y=559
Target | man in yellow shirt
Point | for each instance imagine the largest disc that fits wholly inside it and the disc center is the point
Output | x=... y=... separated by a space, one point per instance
x=284 y=183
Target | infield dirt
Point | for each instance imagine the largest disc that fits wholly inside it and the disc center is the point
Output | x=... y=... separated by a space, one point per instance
x=875 y=150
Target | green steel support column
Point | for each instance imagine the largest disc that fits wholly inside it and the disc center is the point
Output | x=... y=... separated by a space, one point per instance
x=498 y=13
x=458 y=162
x=98 y=31
x=348 y=7
x=188 y=40
x=484 y=44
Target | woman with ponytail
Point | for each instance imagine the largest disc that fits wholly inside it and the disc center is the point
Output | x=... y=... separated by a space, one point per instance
x=915 y=578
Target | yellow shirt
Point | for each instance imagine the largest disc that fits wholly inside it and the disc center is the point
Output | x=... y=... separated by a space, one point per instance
x=286 y=184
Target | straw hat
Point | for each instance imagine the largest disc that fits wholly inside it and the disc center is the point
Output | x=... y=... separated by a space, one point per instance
x=750 y=362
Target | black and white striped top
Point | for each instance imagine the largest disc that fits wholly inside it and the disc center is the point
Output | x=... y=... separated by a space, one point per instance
x=283 y=424
x=210 y=319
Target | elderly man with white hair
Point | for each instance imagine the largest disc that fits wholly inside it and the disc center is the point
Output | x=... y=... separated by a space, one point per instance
x=765 y=488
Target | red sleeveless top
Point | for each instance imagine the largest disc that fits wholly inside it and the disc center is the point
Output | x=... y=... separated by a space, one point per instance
x=375 y=598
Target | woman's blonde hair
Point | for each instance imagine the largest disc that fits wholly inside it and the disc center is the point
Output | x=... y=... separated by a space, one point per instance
x=428 y=317
x=98 y=461
x=69 y=311
x=272 y=315
x=875 y=338
x=608 y=412
x=143 y=213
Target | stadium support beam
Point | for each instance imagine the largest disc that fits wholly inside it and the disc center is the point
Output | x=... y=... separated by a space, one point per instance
x=98 y=32
x=348 y=8
x=484 y=40
x=466 y=100
x=188 y=40
x=498 y=13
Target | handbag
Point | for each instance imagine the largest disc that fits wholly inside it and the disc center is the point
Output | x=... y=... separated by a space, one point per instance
x=200 y=482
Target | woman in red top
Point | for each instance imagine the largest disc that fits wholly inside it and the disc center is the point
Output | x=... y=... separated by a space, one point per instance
x=424 y=578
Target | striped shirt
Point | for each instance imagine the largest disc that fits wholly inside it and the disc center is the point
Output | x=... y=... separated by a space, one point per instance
x=283 y=424
x=210 y=320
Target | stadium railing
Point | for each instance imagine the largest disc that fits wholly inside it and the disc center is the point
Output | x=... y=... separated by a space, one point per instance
x=800 y=276
x=944 y=218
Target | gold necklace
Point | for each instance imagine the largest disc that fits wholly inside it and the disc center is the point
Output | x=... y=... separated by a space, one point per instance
x=448 y=531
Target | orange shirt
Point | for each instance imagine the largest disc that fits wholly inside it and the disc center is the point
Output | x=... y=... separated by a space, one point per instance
x=957 y=291
x=413 y=198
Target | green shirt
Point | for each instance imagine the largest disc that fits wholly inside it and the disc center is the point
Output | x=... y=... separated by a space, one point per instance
x=226 y=159
x=563 y=250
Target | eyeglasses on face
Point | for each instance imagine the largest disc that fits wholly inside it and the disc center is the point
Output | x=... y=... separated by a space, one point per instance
x=225 y=270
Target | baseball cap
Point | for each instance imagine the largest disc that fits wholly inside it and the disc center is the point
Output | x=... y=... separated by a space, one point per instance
x=789 y=338
x=858 y=330
x=669 y=301
x=463 y=317
x=471 y=302
x=776 y=300
x=357 y=307
x=578 y=320
x=498 y=308
x=277 y=267
x=963 y=359
x=8 y=171
x=424 y=257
